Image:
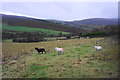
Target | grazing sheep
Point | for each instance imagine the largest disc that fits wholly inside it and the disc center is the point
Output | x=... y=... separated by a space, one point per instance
x=59 y=50
x=40 y=50
x=87 y=37
x=98 y=48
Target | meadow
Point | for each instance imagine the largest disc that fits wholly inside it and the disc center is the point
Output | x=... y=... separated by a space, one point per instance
x=79 y=60
x=28 y=29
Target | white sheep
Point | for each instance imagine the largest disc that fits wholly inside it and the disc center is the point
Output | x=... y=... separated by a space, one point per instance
x=59 y=49
x=87 y=37
x=98 y=48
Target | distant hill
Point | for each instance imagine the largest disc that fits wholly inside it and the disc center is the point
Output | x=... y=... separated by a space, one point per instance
x=37 y=23
x=74 y=27
x=88 y=24
x=98 y=21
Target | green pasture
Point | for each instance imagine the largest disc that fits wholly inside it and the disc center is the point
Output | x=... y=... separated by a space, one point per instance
x=28 y=29
x=79 y=60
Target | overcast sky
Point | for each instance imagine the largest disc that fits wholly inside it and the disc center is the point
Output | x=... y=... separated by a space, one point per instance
x=67 y=11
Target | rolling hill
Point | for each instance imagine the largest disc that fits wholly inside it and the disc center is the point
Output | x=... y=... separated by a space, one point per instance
x=37 y=23
x=98 y=21
x=74 y=27
x=28 y=29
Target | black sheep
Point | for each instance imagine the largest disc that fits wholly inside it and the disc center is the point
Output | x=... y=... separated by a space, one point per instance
x=40 y=50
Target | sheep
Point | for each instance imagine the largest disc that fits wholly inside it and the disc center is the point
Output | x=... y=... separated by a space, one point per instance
x=98 y=48
x=40 y=50
x=87 y=37
x=59 y=50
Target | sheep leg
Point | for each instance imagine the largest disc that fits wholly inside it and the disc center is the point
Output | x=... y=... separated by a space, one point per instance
x=45 y=51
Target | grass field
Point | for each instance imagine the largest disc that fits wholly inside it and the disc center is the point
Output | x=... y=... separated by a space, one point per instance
x=79 y=60
x=28 y=29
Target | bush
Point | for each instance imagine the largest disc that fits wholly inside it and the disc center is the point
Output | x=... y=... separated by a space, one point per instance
x=68 y=36
x=28 y=37
x=95 y=34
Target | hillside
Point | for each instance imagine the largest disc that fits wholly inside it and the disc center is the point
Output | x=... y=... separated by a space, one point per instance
x=79 y=60
x=88 y=22
x=53 y=27
x=58 y=25
x=30 y=29
x=37 y=23
x=98 y=21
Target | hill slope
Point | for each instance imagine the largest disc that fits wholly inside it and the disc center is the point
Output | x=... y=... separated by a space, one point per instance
x=37 y=23
x=98 y=21
x=30 y=29
x=74 y=27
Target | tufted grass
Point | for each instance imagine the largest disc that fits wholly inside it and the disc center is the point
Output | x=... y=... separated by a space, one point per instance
x=93 y=64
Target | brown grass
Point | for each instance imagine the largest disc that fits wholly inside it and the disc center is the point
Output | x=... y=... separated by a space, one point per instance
x=88 y=64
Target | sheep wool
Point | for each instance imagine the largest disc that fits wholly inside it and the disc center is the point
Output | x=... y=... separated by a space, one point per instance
x=59 y=49
x=98 y=48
